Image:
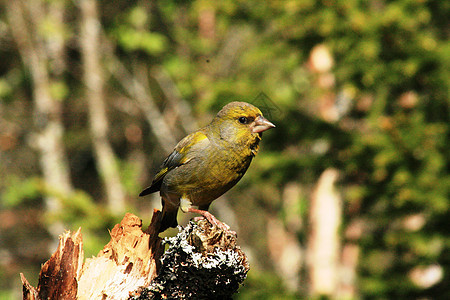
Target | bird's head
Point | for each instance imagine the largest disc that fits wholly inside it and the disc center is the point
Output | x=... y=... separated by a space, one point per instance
x=240 y=123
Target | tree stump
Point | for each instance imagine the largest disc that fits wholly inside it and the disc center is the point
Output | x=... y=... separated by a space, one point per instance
x=201 y=262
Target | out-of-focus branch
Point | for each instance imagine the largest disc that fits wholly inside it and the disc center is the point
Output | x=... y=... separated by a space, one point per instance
x=228 y=54
x=145 y=101
x=170 y=114
x=173 y=96
x=94 y=82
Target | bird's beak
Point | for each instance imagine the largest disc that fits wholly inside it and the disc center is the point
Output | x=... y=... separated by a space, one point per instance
x=261 y=124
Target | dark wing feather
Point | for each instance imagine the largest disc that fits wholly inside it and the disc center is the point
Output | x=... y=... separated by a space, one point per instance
x=178 y=157
x=171 y=162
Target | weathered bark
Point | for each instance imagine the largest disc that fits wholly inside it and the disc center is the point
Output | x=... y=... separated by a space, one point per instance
x=127 y=262
x=201 y=261
x=58 y=276
x=94 y=82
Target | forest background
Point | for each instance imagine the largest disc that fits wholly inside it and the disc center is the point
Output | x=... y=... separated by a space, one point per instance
x=349 y=195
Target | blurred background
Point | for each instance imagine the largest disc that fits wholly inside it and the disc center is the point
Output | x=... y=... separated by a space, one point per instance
x=349 y=195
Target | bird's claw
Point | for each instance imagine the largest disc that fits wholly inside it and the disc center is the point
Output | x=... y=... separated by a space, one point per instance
x=213 y=221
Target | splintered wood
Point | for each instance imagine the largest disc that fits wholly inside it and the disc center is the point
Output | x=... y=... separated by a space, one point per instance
x=58 y=276
x=129 y=261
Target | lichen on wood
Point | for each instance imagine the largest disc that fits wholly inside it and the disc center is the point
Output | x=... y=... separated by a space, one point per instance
x=202 y=261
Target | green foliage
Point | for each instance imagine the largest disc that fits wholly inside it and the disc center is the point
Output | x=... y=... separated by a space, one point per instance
x=59 y=90
x=131 y=39
x=5 y=88
x=132 y=33
x=19 y=191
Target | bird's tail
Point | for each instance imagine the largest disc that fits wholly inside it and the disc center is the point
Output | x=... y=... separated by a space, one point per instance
x=168 y=218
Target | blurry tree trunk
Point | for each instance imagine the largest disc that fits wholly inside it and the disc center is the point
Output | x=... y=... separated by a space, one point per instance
x=26 y=20
x=324 y=242
x=94 y=82
x=56 y=42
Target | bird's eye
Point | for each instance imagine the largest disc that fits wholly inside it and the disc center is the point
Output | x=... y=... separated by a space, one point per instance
x=243 y=120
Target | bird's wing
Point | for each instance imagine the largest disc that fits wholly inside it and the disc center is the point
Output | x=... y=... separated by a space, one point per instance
x=180 y=156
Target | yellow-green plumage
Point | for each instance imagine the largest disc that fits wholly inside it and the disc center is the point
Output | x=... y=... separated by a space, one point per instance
x=209 y=161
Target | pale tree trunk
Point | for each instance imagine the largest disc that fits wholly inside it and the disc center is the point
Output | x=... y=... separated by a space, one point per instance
x=94 y=82
x=56 y=41
x=25 y=18
x=324 y=242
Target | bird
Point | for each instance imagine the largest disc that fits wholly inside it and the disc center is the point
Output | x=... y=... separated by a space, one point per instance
x=208 y=162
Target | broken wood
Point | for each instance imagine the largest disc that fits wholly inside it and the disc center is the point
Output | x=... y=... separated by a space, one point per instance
x=133 y=265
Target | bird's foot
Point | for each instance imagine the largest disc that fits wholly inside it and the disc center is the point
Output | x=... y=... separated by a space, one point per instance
x=211 y=219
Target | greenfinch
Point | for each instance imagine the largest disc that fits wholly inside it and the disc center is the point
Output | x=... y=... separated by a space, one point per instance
x=208 y=162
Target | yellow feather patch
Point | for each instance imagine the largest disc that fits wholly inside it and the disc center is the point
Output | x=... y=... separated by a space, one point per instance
x=161 y=174
x=194 y=139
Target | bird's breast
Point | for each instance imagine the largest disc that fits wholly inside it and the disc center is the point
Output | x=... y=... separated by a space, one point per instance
x=209 y=174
